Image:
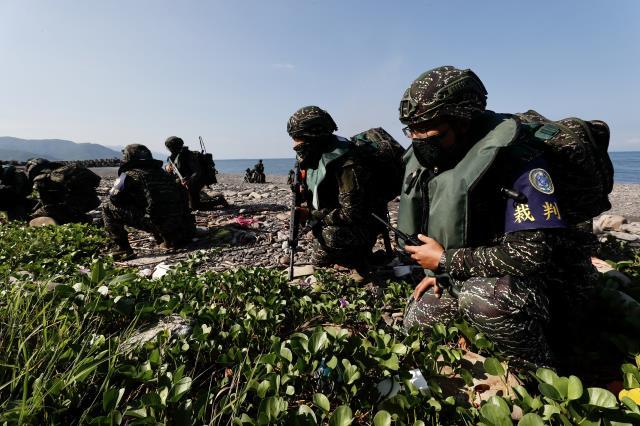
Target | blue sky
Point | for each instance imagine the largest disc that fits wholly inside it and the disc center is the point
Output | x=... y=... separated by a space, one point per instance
x=118 y=72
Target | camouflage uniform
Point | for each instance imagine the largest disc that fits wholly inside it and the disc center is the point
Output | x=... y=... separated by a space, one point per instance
x=339 y=199
x=186 y=163
x=521 y=267
x=146 y=197
x=66 y=192
x=14 y=189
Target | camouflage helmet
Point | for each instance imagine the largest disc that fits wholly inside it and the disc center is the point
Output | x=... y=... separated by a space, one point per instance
x=136 y=152
x=310 y=121
x=443 y=91
x=173 y=142
x=34 y=166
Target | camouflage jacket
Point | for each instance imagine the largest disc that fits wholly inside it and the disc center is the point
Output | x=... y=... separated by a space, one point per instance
x=145 y=186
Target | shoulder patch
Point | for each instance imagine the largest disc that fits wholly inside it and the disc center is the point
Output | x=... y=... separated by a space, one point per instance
x=540 y=180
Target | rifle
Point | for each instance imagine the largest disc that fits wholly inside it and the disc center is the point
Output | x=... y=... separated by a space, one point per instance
x=294 y=220
x=404 y=237
x=175 y=170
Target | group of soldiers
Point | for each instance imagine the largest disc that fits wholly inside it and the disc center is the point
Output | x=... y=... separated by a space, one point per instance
x=478 y=197
x=255 y=175
x=145 y=195
x=477 y=194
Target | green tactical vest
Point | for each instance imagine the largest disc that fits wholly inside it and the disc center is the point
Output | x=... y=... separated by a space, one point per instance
x=449 y=191
x=315 y=176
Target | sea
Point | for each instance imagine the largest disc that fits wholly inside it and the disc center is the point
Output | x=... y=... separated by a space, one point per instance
x=626 y=165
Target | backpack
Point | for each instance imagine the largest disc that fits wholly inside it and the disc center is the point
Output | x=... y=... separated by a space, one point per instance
x=75 y=178
x=69 y=184
x=208 y=167
x=576 y=151
x=383 y=155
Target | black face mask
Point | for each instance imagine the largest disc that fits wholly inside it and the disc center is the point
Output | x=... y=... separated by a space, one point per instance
x=308 y=154
x=428 y=151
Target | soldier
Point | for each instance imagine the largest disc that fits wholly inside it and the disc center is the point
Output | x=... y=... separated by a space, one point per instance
x=338 y=199
x=65 y=192
x=146 y=197
x=14 y=190
x=188 y=167
x=258 y=172
x=478 y=184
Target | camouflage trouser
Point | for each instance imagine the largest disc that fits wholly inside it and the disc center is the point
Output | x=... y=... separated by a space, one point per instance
x=511 y=311
x=342 y=244
x=173 y=231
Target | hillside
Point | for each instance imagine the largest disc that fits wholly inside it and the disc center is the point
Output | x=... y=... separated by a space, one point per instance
x=53 y=149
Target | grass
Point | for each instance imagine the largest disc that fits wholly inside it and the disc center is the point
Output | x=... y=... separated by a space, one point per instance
x=254 y=349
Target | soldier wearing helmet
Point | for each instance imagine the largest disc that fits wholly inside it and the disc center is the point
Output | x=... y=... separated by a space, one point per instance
x=146 y=197
x=188 y=167
x=339 y=210
x=476 y=182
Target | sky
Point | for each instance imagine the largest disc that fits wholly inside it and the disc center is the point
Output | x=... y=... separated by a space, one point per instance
x=117 y=72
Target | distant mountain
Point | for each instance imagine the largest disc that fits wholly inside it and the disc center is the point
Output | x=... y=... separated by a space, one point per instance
x=157 y=155
x=52 y=149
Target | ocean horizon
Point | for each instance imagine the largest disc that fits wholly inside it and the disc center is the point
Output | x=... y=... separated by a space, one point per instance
x=626 y=165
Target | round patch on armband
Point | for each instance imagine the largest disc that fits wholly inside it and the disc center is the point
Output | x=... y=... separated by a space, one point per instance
x=541 y=181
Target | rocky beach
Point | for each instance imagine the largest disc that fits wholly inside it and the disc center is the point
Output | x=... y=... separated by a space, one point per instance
x=252 y=230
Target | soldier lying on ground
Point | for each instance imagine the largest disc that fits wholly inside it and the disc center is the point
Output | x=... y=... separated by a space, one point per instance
x=146 y=197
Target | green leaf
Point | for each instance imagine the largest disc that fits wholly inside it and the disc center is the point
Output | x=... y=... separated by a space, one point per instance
x=601 y=398
x=138 y=413
x=546 y=375
x=494 y=367
x=332 y=363
x=306 y=415
x=549 y=391
x=574 y=390
x=341 y=417
x=179 y=389
x=495 y=415
x=111 y=399
x=286 y=354
x=531 y=419
x=263 y=388
x=392 y=363
x=500 y=402
x=382 y=418
x=321 y=401
x=318 y=341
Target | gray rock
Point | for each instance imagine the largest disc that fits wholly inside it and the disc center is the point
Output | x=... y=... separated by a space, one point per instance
x=282 y=236
x=631 y=228
x=175 y=324
x=624 y=236
x=303 y=271
x=255 y=196
x=42 y=221
x=608 y=222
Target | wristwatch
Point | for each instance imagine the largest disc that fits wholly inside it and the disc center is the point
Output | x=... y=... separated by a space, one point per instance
x=442 y=263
